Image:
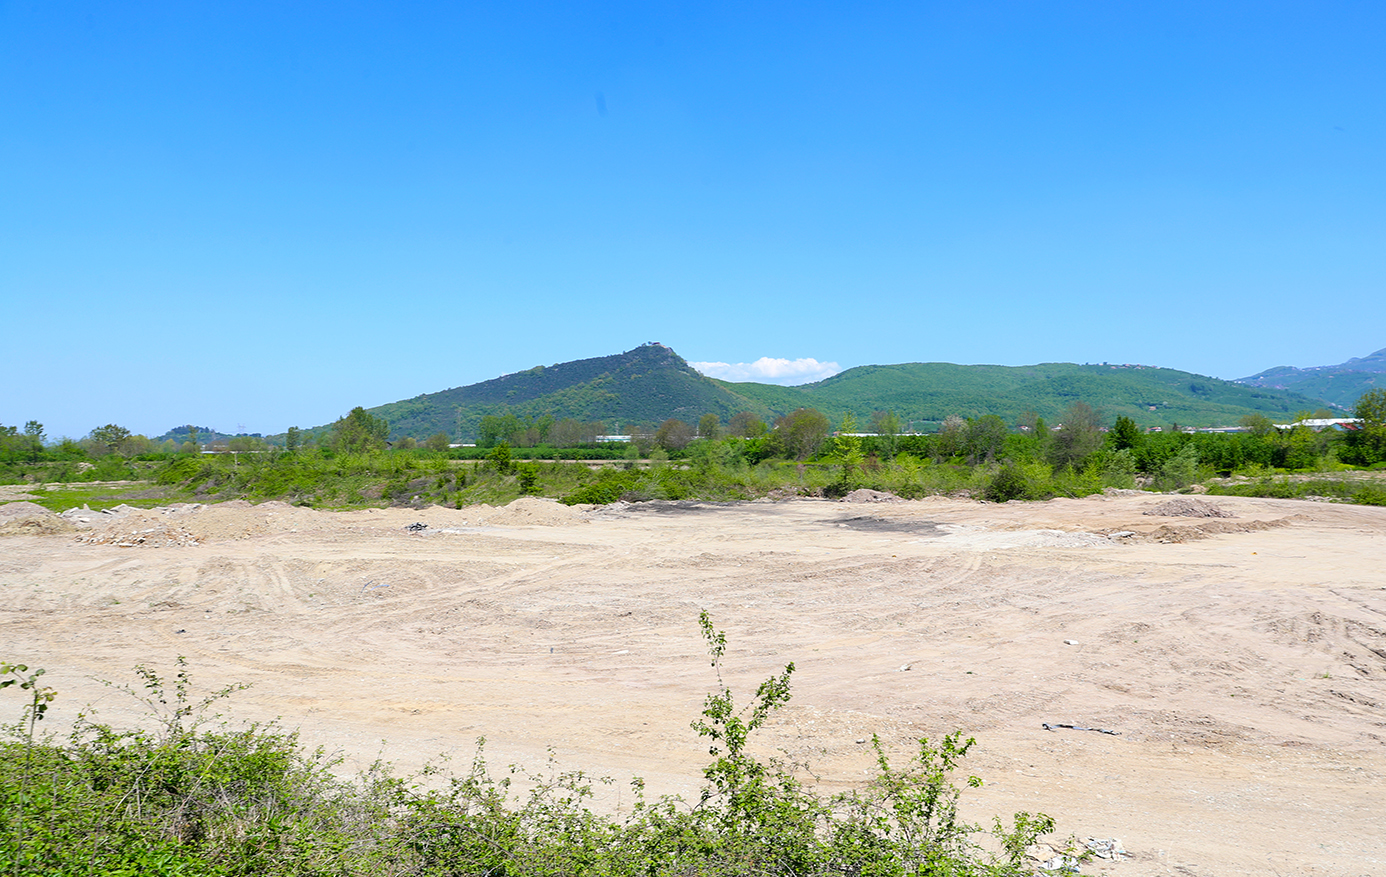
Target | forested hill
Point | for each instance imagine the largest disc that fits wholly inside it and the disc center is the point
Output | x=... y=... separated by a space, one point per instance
x=648 y=384
x=652 y=383
x=926 y=393
x=1342 y=384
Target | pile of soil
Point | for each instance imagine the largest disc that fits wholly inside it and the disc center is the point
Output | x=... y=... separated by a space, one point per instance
x=528 y=511
x=184 y=524
x=22 y=509
x=241 y=520
x=30 y=519
x=1169 y=534
x=1186 y=507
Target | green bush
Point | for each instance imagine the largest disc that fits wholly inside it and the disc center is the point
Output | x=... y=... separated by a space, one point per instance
x=1007 y=484
x=185 y=799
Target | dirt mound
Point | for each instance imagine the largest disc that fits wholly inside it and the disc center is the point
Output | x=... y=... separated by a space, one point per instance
x=21 y=510
x=528 y=511
x=1170 y=534
x=865 y=494
x=237 y=520
x=1185 y=507
x=184 y=524
x=30 y=519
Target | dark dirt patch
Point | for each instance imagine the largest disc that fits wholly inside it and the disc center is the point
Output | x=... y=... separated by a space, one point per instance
x=872 y=524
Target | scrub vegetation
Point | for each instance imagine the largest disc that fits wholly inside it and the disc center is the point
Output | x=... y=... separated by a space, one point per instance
x=192 y=795
x=798 y=455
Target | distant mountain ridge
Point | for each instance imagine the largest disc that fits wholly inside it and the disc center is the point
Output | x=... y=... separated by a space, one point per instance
x=648 y=384
x=652 y=383
x=926 y=393
x=1342 y=384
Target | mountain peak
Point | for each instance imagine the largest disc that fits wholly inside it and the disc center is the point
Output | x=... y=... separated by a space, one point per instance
x=1342 y=384
x=646 y=384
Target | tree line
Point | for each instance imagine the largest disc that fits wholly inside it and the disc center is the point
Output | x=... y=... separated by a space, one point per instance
x=1077 y=441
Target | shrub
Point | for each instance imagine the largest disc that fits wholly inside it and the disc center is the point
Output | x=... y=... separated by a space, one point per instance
x=187 y=799
x=527 y=475
x=1007 y=484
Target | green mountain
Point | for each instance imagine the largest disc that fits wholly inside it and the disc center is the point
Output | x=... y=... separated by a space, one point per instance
x=652 y=383
x=1341 y=384
x=923 y=394
x=646 y=385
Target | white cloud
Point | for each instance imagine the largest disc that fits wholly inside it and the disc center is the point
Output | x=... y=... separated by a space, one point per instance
x=770 y=370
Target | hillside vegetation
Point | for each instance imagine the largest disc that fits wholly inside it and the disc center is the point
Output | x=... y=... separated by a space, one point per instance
x=1340 y=384
x=925 y=394
x=652 y=383
x=649 y=383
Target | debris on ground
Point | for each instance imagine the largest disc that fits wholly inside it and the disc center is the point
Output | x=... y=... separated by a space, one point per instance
x=1060 y=864
x=148 y=537
x=1050 y=726
x=1106 y=848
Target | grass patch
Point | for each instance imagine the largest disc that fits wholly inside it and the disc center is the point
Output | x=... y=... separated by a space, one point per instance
x=140 y=494
x=1359 y=491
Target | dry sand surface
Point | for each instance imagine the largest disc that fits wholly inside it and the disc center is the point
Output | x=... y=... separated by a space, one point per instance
x=1242 y=659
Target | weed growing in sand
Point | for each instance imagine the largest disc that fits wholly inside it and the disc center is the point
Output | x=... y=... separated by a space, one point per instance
x=40 y=696
x=196 y=797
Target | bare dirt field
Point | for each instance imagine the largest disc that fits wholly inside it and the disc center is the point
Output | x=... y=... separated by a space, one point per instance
x=1242 y=659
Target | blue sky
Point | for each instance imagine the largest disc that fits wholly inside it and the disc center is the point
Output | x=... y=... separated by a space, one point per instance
x=256 y=215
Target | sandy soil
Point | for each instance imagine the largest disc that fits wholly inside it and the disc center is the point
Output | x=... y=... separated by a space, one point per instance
x=1245 y=671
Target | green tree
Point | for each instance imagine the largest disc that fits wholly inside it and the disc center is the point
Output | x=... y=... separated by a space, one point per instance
x=1257 y=425
x=847 y=450
x=1371 y=409
x=952 y=437
x=886 y=426
x=746 y=425
x=438 y=442
x=22 y=446
x=1078 y=437
x=499 y=458
x=1303 y=448
x=292 y=439
x=109 y=437
x=565 y=433
x=527 y=475
x=359 y=431
x=984 y=438
x=673 y=435
x=1125 y=435
x=803 y=432
x=244 y=443
x=495 y=429
x=1366 y=445
x=709 y=427
x=1180 y=470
